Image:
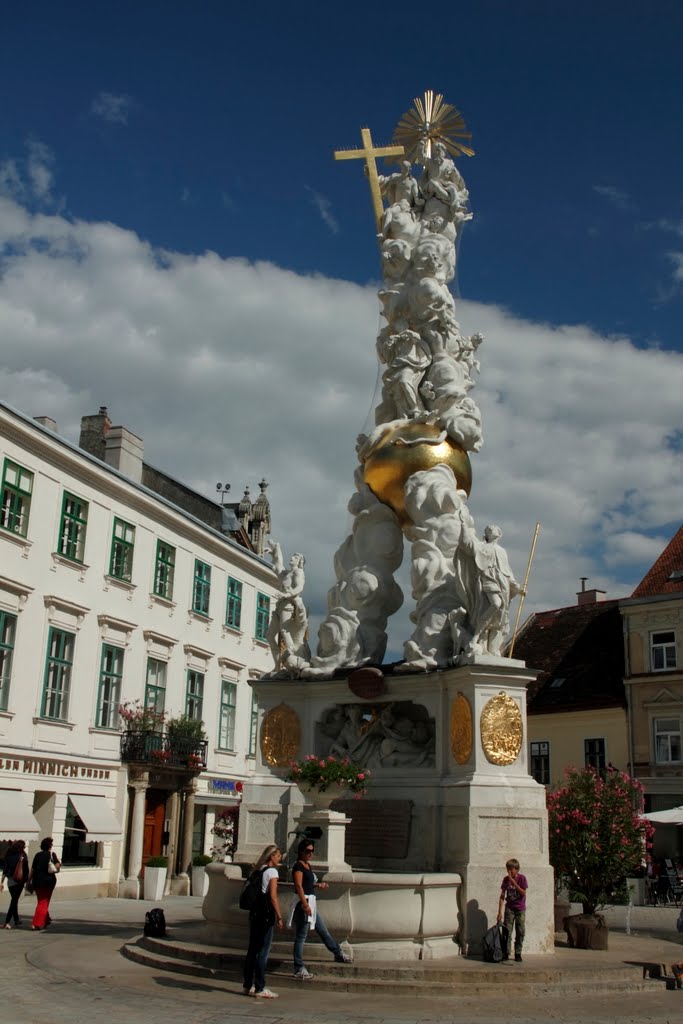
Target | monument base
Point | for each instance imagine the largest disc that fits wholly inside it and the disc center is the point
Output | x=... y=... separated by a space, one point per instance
x=460 y=801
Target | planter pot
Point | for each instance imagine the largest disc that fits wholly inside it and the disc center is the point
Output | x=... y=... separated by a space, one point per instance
x=322 y=801
x=200 y=881
x=154 y=883
x=586 y=931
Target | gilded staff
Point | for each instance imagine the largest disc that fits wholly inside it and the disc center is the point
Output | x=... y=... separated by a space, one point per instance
x=524 y=587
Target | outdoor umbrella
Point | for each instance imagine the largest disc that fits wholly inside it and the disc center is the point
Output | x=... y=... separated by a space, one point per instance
x=674 y=816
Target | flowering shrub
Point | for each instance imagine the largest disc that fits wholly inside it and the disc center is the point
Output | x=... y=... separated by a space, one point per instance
x=138 y=718
x=161 y=755
x=597 y=835
x=322 y=772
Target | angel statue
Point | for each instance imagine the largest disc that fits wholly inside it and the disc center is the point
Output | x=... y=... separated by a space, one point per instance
x=287 y=632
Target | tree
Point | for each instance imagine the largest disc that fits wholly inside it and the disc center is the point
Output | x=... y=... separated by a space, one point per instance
x=597 y=835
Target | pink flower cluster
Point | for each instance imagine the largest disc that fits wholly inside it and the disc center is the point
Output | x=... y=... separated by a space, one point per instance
x=322 y=772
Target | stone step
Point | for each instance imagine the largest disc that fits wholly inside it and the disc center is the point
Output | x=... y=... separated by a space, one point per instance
x=459 y=976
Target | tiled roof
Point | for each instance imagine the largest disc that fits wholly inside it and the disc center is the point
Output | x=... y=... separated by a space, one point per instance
x=579 y=651
x=658 y=579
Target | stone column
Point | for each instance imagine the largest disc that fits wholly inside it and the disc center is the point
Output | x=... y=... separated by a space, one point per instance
x=130 y=889
x=172 y=804
x=186 y=841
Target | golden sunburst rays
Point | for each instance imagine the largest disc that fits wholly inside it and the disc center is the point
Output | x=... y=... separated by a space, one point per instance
x=431 y=120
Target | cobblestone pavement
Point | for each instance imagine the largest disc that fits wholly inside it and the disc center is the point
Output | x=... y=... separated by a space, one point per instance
x=74 y=974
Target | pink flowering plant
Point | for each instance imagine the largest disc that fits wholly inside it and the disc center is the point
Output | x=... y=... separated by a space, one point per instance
x=322 y=772
x=598 y=836
x=138 y=718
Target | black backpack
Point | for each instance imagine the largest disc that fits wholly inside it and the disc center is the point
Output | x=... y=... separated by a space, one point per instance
x=251 y=894
x=155 y=924
x=494 y=944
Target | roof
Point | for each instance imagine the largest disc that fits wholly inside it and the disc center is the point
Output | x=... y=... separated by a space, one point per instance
x=580 y=654
x=658 y=579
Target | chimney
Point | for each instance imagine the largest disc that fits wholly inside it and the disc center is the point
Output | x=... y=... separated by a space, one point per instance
x=124 y=450
x=589 y=596
x=94 y=430
x=47 y=421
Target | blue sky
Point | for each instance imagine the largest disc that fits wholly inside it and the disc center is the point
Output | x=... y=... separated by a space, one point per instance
x=229 y=114
x=209 y=127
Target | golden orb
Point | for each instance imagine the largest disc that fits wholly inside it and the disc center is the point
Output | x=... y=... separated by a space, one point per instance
x=400 y=453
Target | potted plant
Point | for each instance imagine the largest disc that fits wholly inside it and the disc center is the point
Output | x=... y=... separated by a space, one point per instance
x=597 y=838
x=136 y=717
x=324 y=779
x=155 y=878
x=200 y=879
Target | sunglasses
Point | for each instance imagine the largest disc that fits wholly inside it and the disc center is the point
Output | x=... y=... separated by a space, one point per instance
x=309 y=849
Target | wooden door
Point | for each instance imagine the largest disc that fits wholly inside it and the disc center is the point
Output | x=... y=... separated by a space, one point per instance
x=155 y=812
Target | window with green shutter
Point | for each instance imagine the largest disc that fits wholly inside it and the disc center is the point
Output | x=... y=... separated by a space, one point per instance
x=164 y=570
x=72 y=527
x=8 y=629
x=226 y=726
x=194 y=697
x=15 y=498
x=201 y=588
x=122 y=546
x=155 y=685
x=109 y=692
x=262 y=615
x=233 y=613
x=57 y=682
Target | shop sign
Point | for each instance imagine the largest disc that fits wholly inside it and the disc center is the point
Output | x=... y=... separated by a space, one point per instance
x=58 y=769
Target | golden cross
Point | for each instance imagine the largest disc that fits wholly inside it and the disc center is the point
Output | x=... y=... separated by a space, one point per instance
x=369 y=153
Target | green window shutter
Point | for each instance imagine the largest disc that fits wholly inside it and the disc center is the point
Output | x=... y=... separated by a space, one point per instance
x=194 y=697
x=262 y=615
x=226 y=726
x=155 y=685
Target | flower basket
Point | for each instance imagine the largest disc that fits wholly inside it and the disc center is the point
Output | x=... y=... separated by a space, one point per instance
x=324 y=779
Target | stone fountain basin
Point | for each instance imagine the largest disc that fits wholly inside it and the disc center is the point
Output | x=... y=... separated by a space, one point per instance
x=383 y=915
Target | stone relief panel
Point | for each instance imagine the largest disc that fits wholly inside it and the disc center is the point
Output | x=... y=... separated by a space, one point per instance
x=390 y=734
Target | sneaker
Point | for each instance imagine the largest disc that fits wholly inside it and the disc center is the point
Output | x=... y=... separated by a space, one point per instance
x=518 y=958
x=343 y=958
x=7 y=926
x=248 y=991
x=266 y=993
x=678 y=975
x=303 y=975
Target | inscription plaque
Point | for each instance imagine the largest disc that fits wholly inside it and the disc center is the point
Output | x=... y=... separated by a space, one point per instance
x=378 y=828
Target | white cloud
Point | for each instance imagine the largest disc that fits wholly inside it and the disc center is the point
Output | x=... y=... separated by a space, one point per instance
x=111 y=107
x=324 y=208
x=32 y=178
x=616 y=196
x=232 y=371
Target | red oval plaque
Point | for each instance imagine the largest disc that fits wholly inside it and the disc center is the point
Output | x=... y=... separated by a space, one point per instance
x=367 y=683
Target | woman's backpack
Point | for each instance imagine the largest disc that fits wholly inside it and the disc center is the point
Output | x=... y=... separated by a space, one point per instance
x=252 y=892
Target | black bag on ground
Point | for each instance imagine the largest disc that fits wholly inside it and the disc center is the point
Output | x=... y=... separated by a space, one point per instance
x=494 y=944
x=251 y=894
x=155 y=924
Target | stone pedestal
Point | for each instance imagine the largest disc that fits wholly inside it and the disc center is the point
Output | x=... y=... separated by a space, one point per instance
x=330 y=848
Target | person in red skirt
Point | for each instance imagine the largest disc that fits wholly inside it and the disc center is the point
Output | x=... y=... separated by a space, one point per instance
x=42 y=880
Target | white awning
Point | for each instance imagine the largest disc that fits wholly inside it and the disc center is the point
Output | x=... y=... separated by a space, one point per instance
x=100 y=823
x=674 y=816
x=218 y=799
x=16 y=816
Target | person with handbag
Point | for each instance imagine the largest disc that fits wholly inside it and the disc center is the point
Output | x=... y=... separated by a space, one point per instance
x=42 y=880
x=263 y=917
x=16 y=872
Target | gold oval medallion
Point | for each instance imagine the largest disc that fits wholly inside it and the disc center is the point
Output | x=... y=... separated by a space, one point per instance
x=461 y=729
x=280 y=736
x=501 y=729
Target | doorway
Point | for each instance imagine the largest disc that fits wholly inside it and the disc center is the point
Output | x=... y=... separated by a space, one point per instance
x=155 y=812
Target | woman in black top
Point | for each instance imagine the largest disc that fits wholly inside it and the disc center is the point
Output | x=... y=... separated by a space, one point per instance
x=16 y=862
x=306 y=913
x=43 y=879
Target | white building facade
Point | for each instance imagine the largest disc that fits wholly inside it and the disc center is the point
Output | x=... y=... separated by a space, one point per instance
x=110 y=592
